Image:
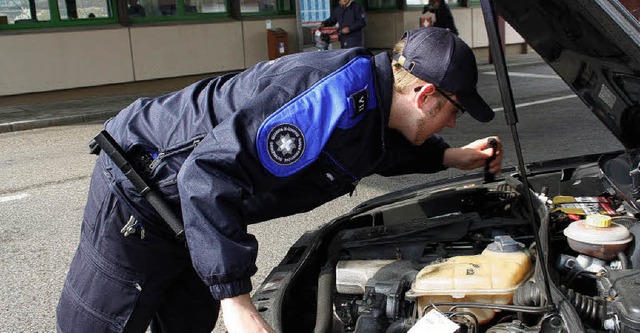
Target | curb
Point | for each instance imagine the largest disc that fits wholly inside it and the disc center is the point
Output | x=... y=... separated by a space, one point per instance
x=56 y=121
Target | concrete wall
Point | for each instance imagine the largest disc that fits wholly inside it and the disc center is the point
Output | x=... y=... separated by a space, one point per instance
x=47 y=60
x=255 y=38
x=177 y=50
x=384 y=29
x=33 y=62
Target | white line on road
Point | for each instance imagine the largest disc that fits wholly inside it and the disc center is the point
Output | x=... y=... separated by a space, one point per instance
x=542 y=101
x=14 y=197
x=520 y=74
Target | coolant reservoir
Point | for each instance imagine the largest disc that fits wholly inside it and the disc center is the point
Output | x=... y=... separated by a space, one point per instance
x=490 y=277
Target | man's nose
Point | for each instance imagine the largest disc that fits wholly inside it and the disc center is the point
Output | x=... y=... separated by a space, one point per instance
x=451 y=121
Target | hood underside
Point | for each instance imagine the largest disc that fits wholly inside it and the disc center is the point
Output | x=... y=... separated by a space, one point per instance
x=594 y=45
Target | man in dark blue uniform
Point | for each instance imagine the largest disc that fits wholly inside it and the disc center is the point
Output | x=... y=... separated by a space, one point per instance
x=280 y=138
x=351 y=19
x=444 y=18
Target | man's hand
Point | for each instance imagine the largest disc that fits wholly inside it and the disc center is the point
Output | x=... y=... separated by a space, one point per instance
x=474 y=156
x=240 y=316
x=345 y=30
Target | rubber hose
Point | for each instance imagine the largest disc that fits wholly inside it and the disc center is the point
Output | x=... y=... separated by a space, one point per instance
x=398 y=326
x=588 y=308
x=324 y=310
x=528 y=294
x=623 y=260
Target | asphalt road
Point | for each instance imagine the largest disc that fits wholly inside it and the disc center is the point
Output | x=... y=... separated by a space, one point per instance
x=45 y=174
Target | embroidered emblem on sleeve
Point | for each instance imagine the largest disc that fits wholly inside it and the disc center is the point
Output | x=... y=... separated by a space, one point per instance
x=286 y=144
x=293 y=136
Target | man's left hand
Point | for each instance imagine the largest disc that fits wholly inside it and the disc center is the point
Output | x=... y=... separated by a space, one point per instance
x=345 y=30
x=474 y=155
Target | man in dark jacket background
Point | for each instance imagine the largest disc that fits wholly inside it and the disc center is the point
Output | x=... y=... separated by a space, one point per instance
x=351 y=19
x=444 y=19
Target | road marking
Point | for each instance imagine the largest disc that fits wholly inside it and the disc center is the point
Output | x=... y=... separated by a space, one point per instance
x=542 y=101
x=520 y=74
x=14 y=197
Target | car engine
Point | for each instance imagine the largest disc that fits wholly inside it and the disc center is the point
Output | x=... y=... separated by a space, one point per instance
x=468 y=256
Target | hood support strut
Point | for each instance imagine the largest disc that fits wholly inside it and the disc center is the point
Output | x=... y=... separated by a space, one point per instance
x=511 y=117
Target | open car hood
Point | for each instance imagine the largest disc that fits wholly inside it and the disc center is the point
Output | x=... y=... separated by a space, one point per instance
x=594 y=45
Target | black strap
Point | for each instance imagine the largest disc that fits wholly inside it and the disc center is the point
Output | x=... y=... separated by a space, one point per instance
x=103 y=141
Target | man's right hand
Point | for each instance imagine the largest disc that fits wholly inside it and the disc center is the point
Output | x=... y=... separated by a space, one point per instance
x=474 y=155
x=241 y=316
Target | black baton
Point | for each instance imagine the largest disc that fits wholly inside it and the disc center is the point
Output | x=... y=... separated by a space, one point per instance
x=115 y=153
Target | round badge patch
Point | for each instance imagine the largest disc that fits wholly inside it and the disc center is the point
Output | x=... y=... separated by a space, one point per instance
x=285 y=144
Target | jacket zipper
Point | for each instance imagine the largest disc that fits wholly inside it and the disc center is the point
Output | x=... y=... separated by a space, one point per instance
x=171 y=152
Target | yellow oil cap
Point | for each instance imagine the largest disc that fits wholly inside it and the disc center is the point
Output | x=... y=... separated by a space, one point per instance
x=598 y=220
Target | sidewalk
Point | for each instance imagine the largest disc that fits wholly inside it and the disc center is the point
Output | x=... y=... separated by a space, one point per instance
x=94 y=104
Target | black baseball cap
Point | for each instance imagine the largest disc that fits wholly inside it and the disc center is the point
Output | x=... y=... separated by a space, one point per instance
x=438 y=56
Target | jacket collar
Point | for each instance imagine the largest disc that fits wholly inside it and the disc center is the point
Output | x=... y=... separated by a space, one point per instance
x=384 y=77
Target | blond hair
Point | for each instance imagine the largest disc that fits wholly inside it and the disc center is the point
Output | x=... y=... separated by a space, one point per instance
x=403 y=81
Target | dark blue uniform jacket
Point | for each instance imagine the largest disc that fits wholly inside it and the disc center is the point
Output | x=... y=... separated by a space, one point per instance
x=282 y=137
x=353 y=17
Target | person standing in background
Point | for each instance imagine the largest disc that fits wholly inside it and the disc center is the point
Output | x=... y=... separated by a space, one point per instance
x=350 y=17
x=444 y=19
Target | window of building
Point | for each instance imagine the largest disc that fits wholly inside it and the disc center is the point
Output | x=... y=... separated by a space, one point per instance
x=173 y=8
x=28 y=14
x=21 y=14
x=266 y=7
x=75 y=9
x=20 y=11
x=312 y=12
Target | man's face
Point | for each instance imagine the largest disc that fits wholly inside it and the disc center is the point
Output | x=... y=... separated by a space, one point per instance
x=436 y=114
x=344 y=3
x=428 y=113
x=422 y=112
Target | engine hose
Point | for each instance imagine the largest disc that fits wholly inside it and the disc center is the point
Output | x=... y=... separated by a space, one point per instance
x=529 y=295
x=589 y=308
x=324 y=310
x=624 y=260
x=372 y=322
x=398 y=326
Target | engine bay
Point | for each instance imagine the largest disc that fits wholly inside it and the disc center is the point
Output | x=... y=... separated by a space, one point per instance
x=468 y=256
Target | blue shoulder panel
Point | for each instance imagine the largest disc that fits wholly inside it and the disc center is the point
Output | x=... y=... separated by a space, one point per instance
x=294 y=136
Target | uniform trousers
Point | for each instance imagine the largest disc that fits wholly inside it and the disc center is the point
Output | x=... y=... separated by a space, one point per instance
x=127 y=284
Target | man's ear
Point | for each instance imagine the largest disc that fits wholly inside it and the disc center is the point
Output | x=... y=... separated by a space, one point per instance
x=421 y=96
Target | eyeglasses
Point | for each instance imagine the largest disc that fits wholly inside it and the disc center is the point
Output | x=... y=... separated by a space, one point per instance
x=460 y=110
